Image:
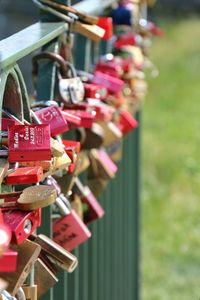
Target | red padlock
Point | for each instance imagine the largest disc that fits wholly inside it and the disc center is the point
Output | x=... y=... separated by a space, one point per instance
x=115 y=66
x=95 y=91
x=72 y=119
x=126 y=122
x=113 y=84
x=104 y=112
x=107 y=24
x=29 y=143
x=110 y=68
x=21 y=223
x=86 y=118
x=69 y=231
x=8 y=261
x=126 y=39
x=52 y=115
x=27 y=175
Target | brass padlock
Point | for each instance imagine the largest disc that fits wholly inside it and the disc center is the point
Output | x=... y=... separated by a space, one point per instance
x=45 y=275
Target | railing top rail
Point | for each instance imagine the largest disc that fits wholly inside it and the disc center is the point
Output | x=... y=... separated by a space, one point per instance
x=27 y=40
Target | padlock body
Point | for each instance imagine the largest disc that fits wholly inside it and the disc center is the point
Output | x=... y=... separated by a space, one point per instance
x=70 y=231
x=16 y=220
x=27 y=175
x=95 y=91
x=113 y=84
x=93 y=210
x=107 y=24
x=29 y=143
x=126 y=122
x=53 y=116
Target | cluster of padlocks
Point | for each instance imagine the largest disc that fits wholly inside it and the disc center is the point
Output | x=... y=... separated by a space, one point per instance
x=41 y=167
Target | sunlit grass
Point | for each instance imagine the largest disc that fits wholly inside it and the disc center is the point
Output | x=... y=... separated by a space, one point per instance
x=171 y=168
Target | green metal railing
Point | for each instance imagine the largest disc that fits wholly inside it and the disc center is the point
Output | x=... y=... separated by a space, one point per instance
x=109 y=261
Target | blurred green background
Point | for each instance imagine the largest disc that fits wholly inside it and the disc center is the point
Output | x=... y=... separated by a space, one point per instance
x=171 y=167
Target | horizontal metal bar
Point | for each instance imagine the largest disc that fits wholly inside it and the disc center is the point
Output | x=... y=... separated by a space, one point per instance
x=24 y=42
x=93 y=6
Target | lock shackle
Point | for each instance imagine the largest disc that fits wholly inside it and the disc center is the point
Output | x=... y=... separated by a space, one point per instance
x=51 y=56
x=64 y=66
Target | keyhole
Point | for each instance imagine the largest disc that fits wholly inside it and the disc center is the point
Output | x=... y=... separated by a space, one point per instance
x=27 y=226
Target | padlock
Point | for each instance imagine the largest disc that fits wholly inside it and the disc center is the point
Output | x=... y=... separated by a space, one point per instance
x=93 y=209
x=114 y=65
x=27 y=175
x=109 y=67
x=52 y=115
x=126 y=122
x=111 y=133
x=36 y=197
x=29 y=143
x=57 y=254
x=107 y=24
x=45 y=276
x=8 y=261
x=21 y=223
x=104 y=112
x=5 y=237
x=72 y=119
x=92 y=32
x=129 y=38
x=28 y=252
x=69 y=231
x=113 y=84
x=95 y=91
x=57 y=149
x=71 y=89
x=91 y=138
x=85 y=117
x=101 y=165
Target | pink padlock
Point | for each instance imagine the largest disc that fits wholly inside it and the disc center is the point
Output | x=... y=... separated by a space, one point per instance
x=52 y=115
x=93 y=210
x=69 y=231
x=114 y=85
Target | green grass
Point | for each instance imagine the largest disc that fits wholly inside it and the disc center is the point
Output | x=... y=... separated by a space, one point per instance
x=171 y=168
